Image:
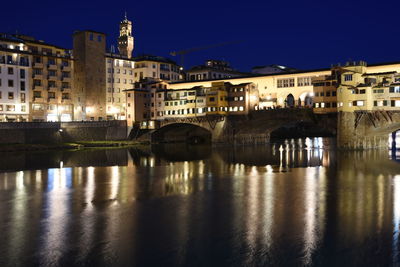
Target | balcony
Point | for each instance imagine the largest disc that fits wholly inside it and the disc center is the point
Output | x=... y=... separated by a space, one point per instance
x=66 y=79
x=37 y=65
x=66 y=68
x=52 y=100
x=52 y=88
x=66 y=89
x=38 y=87
x=52 y=66
x=66 y=101
x=37 y=76
x=38 y=99
x=52 y=77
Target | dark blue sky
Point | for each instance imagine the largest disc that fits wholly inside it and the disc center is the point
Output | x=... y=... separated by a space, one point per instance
x=300 y=34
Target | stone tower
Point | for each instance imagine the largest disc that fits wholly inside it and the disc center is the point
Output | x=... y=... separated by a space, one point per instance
x=125 y=39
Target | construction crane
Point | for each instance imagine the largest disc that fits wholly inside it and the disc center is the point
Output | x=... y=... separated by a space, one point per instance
x=182 y=53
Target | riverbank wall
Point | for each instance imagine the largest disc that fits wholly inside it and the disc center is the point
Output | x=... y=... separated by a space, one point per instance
x=61 y=132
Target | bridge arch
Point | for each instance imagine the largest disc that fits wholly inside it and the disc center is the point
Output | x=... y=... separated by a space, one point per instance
x=181 y=132
x=289 y=101
x=306 y=99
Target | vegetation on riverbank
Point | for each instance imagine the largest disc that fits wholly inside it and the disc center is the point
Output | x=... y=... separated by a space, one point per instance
x=67 y=146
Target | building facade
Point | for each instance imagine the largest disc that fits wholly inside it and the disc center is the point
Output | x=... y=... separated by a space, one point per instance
x=36 y=80
x=212 y=70
x=358 y=87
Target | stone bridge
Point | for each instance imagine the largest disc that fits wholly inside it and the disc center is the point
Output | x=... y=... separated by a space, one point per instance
x=366 y=129
x=255 y=128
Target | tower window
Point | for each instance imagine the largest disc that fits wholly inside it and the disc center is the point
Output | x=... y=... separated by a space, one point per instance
x=99 y=38
x=91 y=36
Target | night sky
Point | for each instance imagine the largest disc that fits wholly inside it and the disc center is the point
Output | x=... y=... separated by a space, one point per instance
x=300 y=34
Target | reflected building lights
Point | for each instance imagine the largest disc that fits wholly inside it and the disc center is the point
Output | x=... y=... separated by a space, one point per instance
x=396 y=218
x=57 y=203
x=114 y=182
x=90 y=186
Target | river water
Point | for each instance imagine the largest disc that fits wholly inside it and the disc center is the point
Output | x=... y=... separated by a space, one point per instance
x=296 y=202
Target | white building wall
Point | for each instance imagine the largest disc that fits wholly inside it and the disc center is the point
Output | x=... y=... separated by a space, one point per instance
x=14 y=87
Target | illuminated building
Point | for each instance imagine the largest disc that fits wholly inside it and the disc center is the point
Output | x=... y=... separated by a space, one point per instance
x=39 y=80
x=357 y=86
x=212 y=70
x=15 y=68
x=104 y=76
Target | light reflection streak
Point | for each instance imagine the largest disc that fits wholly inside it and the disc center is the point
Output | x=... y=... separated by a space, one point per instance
x=57 y=209
x=18 y=217
x=396 y=219
x=269 y=204
x=114 y=182
x=90 y=186
x=252 y=219
x=314 y=211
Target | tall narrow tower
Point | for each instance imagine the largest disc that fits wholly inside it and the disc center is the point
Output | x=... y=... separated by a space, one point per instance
x=125 y=39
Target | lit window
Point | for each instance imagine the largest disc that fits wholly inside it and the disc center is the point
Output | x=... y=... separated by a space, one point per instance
x=348 y=77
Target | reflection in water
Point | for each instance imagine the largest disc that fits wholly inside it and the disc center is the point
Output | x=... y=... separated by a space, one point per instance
x=290 y=203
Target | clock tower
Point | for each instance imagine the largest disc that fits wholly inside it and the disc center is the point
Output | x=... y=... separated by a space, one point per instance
x=125 y=39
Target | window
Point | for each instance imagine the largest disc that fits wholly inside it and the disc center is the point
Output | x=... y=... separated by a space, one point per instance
x=37 y=94
x=358 y=103
x=52 y=73
x=52 y=84
x=65 y=74
x=37 y=71
x=284 y=83
x=65 y=96
x=51 y=61
x=362 y=91
x=22 y=97
x=10 y=71
x=91 y=36
x=37 y=82
x=212 y=99
x=395 y=103
x=52 y=95
x=98 y=38
x=10 y=83
x=10 y=107
x=348 y=77
x=23 y=108
x=22 y=85
x=22 y=74
x=304 y=81
x=394 y=89
x=1 y=107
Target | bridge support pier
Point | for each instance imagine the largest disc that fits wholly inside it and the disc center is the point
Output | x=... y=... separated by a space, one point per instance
x=358 y=131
